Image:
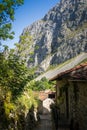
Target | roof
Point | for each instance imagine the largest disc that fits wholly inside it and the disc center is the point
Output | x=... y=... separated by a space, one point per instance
x=42 y=95
x=78 y=72
x=70 y=64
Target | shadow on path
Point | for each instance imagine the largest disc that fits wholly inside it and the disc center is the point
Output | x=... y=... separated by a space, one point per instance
x=46 y=123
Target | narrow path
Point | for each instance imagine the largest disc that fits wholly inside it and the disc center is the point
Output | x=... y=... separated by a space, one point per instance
x=46 y=123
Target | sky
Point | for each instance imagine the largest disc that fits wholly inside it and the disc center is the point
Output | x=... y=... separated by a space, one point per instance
x=25 y=15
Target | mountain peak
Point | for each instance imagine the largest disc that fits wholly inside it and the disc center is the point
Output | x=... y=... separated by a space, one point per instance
x=59 y=36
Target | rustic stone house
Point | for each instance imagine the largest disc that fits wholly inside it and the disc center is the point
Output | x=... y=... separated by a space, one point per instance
x=46 y=98
x=71 y=95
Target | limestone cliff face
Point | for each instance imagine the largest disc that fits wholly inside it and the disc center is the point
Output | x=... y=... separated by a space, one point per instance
x=60 y=35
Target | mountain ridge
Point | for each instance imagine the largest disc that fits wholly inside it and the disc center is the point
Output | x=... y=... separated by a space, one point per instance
x=60 y=35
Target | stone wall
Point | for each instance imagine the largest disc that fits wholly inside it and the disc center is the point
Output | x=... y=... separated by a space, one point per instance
x=77 y=96
x=82 y=105
x=78 y=103
x=61 y=97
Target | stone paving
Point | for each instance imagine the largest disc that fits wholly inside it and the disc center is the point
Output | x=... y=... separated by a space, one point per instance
x=46 y=123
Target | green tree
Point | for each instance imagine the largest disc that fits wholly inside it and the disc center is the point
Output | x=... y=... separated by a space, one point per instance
x=24 y=48
x=24 y=44
x=15 y=98
x=41 y=85
x=7 y=11
x=13 y=73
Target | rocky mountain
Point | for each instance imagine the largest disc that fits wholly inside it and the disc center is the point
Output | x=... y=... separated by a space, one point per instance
x=59 y=36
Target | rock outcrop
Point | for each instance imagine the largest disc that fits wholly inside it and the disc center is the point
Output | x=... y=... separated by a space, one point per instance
x=59 y=36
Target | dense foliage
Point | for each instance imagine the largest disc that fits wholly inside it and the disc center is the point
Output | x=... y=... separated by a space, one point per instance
x=14 y=115
x=17 y=84
x=15 y=99
x=24 y=48
x=13 y=73
x=7 y=12
x=41 y=85
x=17 y=103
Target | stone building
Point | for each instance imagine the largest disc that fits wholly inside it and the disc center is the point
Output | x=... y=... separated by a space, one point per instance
x=71 y=95
x=46 y=98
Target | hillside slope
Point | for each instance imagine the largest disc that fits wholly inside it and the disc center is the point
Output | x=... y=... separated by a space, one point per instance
x=59 y=36
x=63 y=67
